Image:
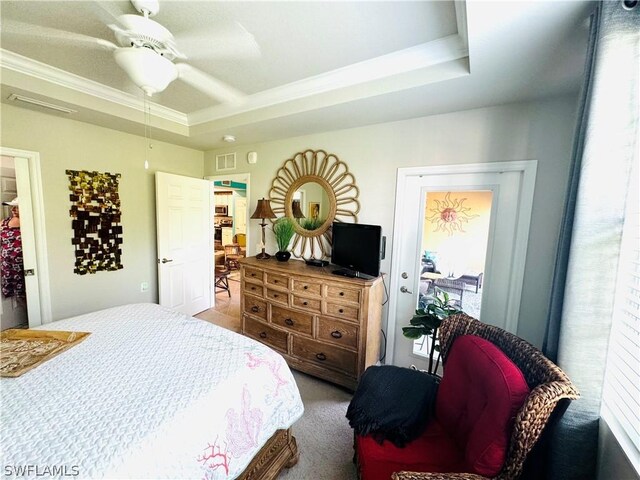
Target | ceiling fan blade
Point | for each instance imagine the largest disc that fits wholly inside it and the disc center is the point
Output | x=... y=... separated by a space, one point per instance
x=228 y=40
x=13 y=27
x=210 y=86
x=109 y=12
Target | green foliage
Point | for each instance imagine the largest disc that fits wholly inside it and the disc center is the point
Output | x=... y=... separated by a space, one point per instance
x=284 y=230
x=426 y=322
x=311 y=223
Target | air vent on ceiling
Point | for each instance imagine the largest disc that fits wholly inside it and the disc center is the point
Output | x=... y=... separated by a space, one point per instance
x=40 y=103
x=226 y=161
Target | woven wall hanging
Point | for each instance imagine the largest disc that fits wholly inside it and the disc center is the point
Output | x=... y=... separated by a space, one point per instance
x=95 y=210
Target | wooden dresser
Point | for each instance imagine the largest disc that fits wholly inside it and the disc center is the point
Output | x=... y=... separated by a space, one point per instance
x=323 y=324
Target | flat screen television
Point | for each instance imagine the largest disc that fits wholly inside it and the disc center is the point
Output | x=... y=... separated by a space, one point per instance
x=356 y=248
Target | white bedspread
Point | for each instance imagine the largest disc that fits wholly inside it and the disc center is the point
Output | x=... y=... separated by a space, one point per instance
x=151 y=393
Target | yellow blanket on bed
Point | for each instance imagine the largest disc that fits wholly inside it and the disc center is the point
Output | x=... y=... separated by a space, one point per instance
x=21 y=350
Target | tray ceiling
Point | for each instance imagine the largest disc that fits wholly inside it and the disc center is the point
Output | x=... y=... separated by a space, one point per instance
x=296 y=61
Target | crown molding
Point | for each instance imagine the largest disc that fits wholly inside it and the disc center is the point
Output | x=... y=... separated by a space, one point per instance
x=42 y=71
x=406 y=61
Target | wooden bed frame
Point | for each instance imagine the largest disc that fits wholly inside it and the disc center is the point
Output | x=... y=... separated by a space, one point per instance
x=280 y=451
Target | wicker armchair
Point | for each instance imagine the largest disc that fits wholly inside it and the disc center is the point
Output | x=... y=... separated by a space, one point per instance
x=550 y=388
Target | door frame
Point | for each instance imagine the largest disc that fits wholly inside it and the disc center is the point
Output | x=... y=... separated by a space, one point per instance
x=238 y=176
x=528 y=169
x=37 y=203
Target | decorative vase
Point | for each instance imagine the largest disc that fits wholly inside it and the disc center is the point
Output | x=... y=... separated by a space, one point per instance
x=283 y=256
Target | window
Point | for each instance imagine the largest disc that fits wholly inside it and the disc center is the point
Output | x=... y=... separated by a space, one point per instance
x=621 y=392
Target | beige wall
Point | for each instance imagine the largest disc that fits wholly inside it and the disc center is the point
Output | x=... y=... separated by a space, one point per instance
x=538 y=130
x=67 y=144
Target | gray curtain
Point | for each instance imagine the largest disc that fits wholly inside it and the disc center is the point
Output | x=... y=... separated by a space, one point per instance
x=580 y=313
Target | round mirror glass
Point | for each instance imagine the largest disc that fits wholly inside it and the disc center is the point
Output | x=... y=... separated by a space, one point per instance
x=310 y=206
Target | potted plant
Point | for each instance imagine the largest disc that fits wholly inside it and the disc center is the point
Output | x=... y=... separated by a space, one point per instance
x=284 y=230
x=311 y=223
x=427 y=320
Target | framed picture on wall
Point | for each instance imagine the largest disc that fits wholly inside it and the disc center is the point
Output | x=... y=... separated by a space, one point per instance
x=314 y=210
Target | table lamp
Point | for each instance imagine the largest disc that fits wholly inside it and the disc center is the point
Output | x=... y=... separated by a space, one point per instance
x=263 y=211
x=296 y=210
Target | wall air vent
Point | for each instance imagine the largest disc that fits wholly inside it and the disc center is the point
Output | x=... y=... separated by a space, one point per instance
x=39 y=103
x=226 y=162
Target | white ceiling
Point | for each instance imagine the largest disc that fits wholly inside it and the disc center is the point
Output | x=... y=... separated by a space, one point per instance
x=305 y=66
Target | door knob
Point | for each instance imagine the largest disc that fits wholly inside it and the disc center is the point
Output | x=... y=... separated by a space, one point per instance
x=404 y=290
x=167 y=260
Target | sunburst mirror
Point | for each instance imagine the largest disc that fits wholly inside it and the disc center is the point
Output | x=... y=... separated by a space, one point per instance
x=314 y=188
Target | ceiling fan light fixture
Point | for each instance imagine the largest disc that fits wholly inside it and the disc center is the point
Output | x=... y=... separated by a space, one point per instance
x=147 y=69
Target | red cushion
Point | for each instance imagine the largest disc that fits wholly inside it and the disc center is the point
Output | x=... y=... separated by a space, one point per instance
x=480 y=393
x=433 y=451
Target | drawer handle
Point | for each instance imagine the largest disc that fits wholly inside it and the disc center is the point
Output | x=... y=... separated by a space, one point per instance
x=305 y=303
x=341 y=310
x=342 y=294
x=275 y=281
x=253 y=288
x=253 y=274
x=336 y=334
x=306 y=287
x=263 y=334
x=275 y=295
x=321 y=356
x=288 y=321
x=255 y=309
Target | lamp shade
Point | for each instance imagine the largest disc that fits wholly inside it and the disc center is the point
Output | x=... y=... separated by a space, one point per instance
x=263 y=210
x=297 y=211
x=147 y=69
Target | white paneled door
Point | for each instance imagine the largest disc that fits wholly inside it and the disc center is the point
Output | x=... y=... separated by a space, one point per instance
x=511 y=185
x=185 y=242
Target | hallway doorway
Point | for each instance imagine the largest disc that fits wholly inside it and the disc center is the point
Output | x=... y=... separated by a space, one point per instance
x=22 y=179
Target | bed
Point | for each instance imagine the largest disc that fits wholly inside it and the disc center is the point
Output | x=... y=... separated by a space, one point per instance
x=152 y=393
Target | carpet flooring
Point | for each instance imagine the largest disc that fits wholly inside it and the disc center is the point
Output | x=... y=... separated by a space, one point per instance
x=325 y=440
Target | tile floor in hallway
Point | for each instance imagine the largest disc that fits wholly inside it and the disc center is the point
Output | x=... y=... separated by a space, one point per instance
x=226 y=312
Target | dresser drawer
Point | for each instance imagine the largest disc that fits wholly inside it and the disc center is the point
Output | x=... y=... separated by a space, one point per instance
x=307 y=287
x=277 y=280
x=325 y=355
x=307 y=303
x=265 y=333
x=344 y=294
x=342 y=311
x=252 y=288
x=255 y=307
x=291 y=320
x=337 y=332
x=253 y=274
x=278 y=296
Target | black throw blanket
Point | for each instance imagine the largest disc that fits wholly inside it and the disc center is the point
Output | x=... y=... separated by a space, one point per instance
x=393 y=403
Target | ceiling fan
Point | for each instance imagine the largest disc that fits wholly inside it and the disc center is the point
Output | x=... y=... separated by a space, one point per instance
x=148 y=53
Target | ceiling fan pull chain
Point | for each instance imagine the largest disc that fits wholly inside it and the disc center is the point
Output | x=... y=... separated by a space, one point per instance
x=145 y=106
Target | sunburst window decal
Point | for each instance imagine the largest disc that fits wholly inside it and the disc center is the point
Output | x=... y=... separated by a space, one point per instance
x=327 y=170
x=450 y=215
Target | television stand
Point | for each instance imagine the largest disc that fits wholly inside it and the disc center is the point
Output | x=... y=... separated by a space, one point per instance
x=345 y=272
x=325 y=325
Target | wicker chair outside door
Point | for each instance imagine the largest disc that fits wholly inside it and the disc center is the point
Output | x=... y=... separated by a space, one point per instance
x=232 y=255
